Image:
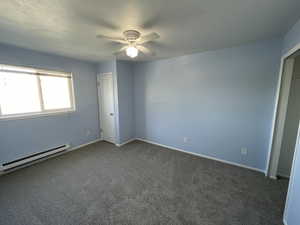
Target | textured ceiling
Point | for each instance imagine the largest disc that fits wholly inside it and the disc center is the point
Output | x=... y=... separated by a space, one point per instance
x=69 y=27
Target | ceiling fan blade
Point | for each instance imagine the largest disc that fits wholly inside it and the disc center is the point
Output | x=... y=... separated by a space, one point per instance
x=120 y=50
x=148 y=37
x=145 y=50
x=120 y=40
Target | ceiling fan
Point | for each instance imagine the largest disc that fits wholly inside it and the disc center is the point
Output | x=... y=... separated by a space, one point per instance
x=133 y=41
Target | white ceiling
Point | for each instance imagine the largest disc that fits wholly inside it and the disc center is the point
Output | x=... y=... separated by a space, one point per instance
x=69 y=27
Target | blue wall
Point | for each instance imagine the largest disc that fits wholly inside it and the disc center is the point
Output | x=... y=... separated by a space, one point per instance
x=25 y=136
x=107 y=67
x=291 y=215
x=221 y=100
x=125 y=99
x=292 y=38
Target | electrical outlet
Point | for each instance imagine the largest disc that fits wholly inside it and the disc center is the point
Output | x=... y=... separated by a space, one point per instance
x=244 y=151
x=185 y=139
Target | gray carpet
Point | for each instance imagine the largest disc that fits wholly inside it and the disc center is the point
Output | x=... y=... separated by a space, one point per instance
x=139 y=184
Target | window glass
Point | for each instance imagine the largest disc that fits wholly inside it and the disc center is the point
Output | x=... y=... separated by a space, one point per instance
x=28 y=91
x=18 y=93
x=56 y=94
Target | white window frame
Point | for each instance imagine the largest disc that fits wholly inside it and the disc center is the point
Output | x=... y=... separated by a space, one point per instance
x=40 y=72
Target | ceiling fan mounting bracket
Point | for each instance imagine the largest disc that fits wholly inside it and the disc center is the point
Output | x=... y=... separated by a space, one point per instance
x=131 y=35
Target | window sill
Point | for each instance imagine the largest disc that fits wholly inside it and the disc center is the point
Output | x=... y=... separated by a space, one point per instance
x=36 y=115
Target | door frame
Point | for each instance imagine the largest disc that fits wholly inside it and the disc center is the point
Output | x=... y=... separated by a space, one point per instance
x=279 y=116
x=99 y=77
x=292 y=176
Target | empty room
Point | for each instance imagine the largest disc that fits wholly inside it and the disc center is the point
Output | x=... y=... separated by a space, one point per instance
x=149 y=112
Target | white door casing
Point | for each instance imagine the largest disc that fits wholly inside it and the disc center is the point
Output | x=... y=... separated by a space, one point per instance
x=280 y=116
x=274 y=150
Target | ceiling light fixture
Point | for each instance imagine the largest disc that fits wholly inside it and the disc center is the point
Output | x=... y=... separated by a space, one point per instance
x=132 y=51
x=133 y=42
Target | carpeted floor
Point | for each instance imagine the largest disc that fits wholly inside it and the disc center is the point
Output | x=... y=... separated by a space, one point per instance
x=140 y=184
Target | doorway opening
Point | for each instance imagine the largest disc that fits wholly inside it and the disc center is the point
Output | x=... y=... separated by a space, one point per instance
x=291 y=124
x=287 y=117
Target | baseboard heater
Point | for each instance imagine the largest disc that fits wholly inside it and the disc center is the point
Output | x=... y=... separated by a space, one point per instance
x=33 y=157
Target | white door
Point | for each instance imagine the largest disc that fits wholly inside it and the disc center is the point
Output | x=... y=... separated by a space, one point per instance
x=106 y=106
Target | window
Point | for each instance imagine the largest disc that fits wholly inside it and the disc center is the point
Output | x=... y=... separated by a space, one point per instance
x=28 y=92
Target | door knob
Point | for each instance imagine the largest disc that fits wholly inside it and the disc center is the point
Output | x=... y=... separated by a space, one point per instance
x=111 y=114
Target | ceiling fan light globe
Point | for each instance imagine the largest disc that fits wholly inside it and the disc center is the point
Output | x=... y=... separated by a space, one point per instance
x=132 y=51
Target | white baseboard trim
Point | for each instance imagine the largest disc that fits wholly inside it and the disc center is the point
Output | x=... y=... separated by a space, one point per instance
x=126 y=142
x=83 y=145
x=202 y=155
x=51 y=156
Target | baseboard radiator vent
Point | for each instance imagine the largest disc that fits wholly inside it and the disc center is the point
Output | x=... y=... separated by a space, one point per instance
x=6 y=166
